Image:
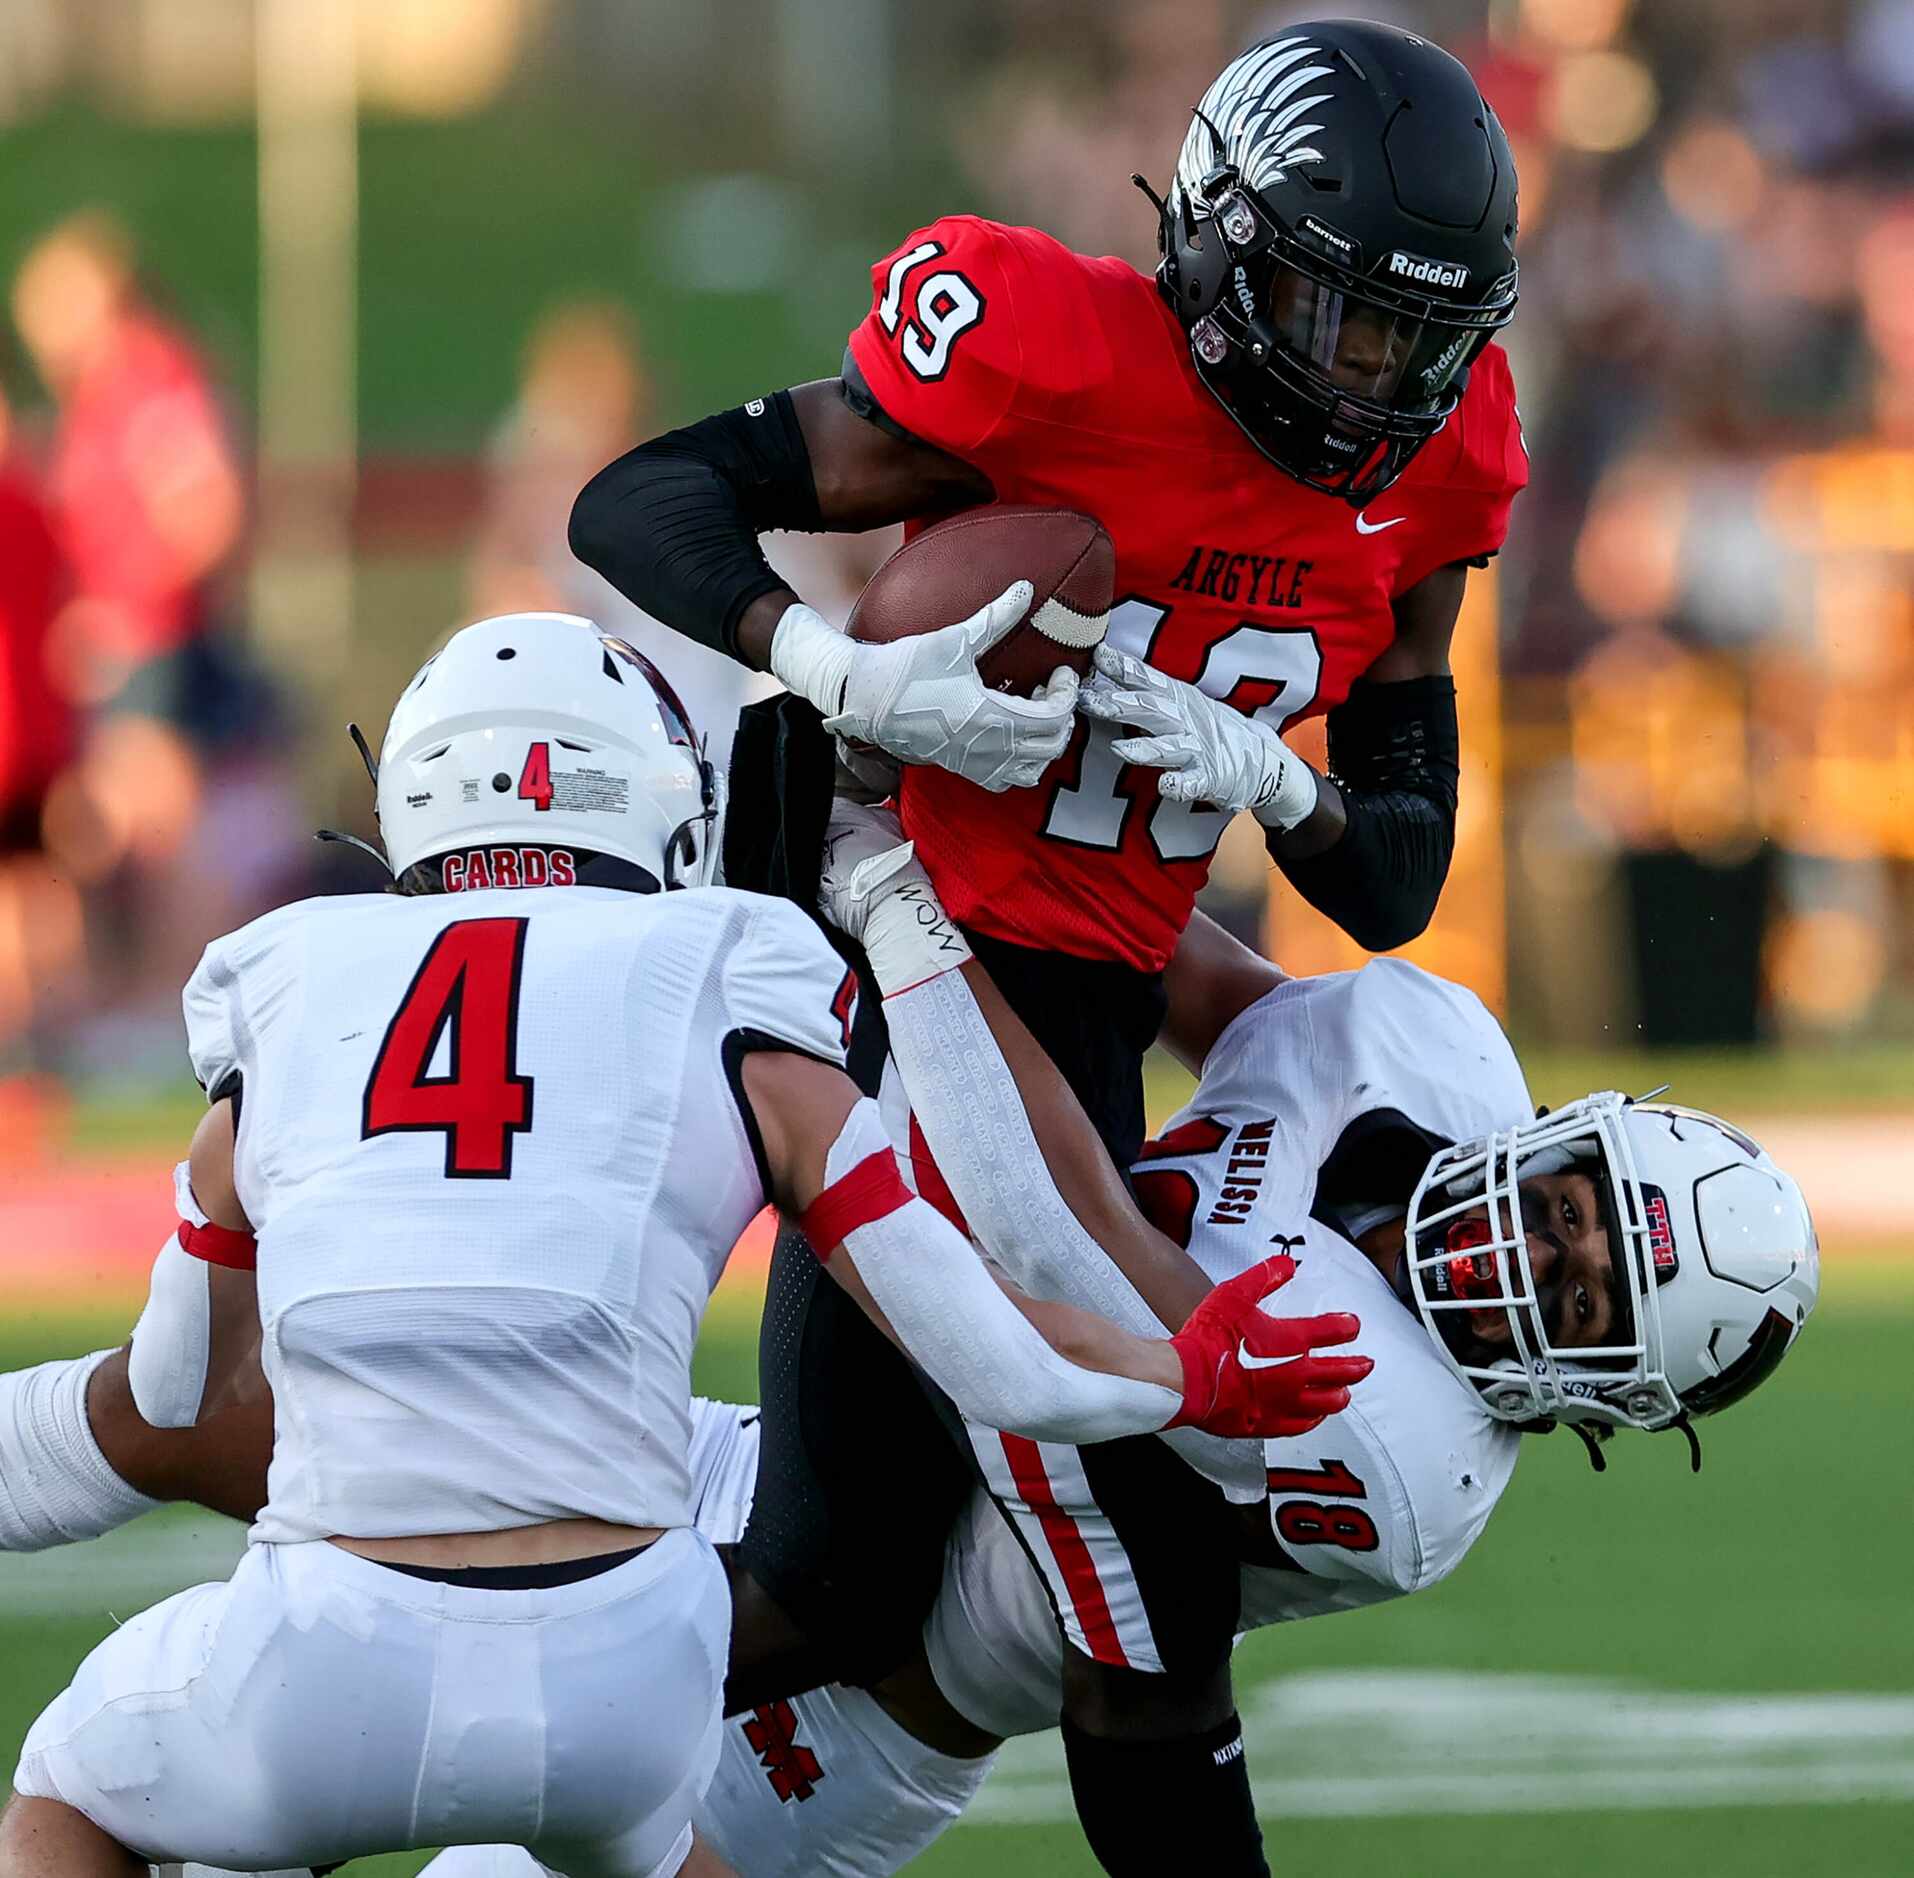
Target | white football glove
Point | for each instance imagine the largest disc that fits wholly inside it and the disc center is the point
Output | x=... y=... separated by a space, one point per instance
x=921 y=699
x=1206 y=751
x=875 y=890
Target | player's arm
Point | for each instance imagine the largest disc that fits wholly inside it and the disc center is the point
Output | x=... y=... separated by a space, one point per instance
x=233 y=1372
x=1376 y=864
x=1368 y=844
x=1035 y=1184
x=812 y=1120
x=186 y=1414
x=198 y=1336
x=907 y=431
x=674 y=526
x=674 y=523
x=1045 y=1370
x=1211 y=980
x=79 y=1458
x=1394 y=745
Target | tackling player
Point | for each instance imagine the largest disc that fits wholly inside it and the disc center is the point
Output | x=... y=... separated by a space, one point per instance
x=1663 y=1268
x=475 y=1158
x=1299 y=435
x=1614 y=1264
x=1320 y=1103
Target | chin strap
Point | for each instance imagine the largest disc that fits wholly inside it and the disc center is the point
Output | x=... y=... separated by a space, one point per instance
x=1687 y=1427
x=371 y=762
x=1594 y=1435
x=353 y=841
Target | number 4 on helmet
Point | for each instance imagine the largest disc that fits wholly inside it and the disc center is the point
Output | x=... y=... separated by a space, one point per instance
x=539 y=727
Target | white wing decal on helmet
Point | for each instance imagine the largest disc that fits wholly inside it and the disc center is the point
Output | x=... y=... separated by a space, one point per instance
x=1255 y=109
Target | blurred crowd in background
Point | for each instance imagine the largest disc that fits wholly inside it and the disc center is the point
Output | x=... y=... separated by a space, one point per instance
x=559 y=225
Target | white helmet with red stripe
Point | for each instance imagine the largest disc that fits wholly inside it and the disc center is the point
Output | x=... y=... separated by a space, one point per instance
x=1714 y=1257
x=538 y=728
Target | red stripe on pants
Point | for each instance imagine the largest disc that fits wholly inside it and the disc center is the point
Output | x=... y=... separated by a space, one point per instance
x=1067 y=1547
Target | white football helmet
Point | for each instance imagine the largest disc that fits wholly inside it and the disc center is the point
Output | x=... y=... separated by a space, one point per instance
x=1715 y=1261
x=540 y=728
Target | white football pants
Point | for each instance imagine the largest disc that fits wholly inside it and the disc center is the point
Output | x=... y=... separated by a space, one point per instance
x=823 y=1786
x=319 y=1707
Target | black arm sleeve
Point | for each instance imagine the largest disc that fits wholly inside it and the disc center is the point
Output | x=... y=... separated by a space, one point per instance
x=1395 y=754
x=674 y=524
x=1179 y=1804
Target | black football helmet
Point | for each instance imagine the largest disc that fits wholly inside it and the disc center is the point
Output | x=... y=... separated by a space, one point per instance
x=1339 y=242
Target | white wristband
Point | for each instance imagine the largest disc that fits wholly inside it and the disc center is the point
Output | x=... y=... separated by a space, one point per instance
x=1292 y=790
x=908 y=937
x=811 y=657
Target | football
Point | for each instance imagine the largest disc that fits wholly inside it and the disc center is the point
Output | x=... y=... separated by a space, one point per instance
x=957 y=566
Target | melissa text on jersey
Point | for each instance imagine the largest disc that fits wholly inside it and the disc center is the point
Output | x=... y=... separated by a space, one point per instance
x=1243 y=1177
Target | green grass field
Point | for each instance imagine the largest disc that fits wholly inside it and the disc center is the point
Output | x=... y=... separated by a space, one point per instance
x=1870 y=1079
x=1681 y=1675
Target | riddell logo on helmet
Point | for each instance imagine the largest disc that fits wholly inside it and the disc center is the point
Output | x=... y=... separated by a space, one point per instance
x=1244 y=298
x=1436 y=372
x=1426 y=273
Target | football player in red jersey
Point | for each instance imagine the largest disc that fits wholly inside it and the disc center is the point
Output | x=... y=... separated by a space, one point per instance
x=1299 y=435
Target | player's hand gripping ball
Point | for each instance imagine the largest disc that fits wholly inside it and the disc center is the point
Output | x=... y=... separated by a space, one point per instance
x=993 y=696
x=953 y=569
x=1205 y=751
x=1246 y=1373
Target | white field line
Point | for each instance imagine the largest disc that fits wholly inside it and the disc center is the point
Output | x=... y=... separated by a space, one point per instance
x=1555 y=1791
x=1369 y=1743
x=1334 y=1744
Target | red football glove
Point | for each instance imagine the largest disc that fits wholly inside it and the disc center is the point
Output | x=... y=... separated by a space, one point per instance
x=1247 y=1373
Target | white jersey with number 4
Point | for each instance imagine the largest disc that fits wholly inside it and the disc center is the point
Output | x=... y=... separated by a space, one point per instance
x=494 y=1151
x=1348 y=1079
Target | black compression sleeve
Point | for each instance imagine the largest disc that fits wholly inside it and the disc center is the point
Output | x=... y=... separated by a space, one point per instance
x=1149 y=1808
x=1395 y=754
x=674 y=524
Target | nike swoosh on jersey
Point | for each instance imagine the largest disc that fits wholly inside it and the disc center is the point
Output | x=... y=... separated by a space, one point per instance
x=1376 y=528
x=1260 y=1362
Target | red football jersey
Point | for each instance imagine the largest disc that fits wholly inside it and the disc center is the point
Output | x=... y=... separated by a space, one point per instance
x=1068 y=381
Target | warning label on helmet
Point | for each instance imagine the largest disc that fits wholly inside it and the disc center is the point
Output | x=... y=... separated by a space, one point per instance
x=586 y=790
